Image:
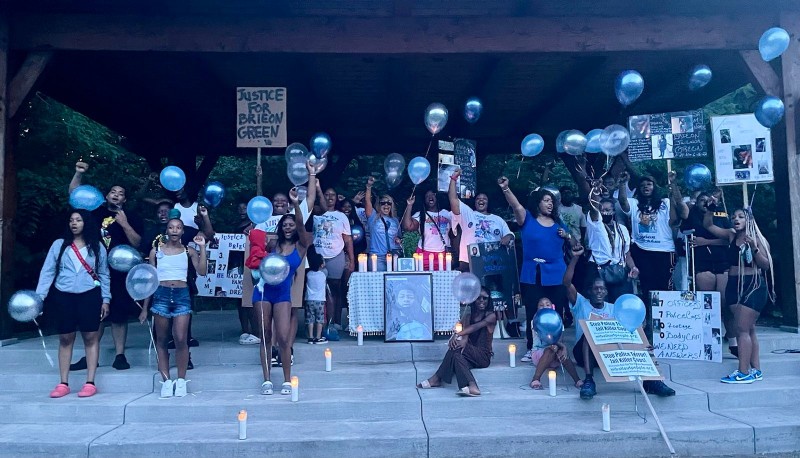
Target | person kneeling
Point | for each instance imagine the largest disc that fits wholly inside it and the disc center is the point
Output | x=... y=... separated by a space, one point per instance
x=546 y=356
x=472 y=352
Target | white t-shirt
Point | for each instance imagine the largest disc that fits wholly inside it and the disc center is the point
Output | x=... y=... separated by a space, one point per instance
x=478 y=228
x=582 y=308
x=435 y=224
x=651 y=231
x=328 y=231
x=188 y=214
x=599 y=244
x=315 y=285
x=572 y=217
x=270 y=226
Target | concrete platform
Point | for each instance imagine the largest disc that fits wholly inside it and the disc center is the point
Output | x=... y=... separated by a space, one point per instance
x=369 y=406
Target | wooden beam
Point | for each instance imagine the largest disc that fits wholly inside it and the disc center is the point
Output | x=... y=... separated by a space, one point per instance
x=412 y=35
x=762 y=73
x=26 y=77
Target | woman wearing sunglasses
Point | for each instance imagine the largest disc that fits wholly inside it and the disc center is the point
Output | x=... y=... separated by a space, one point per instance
x=384 y=227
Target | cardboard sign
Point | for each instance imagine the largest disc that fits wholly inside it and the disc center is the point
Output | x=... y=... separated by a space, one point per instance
x=260 y=117
x=619 y=359
x=742 y=150
x=628 y=363
x=460 y=153
x=611 y=331
x=225 y=267
x=678 y=135
x=687 y=325
x=496 y=266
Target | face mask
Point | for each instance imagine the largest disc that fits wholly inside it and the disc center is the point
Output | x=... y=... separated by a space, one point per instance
x=607 y=218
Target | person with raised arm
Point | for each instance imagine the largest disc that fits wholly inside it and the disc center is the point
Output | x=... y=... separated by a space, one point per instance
x=433 y=225
x=383 y=225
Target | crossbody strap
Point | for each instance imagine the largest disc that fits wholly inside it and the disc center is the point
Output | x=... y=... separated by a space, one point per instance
x=86 y=266
x=386 y=234
x=436 y=225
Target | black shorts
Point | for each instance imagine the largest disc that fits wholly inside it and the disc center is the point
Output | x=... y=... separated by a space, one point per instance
x=754 y=291
x=707 y=264
x=79 y=311
x=122 y=307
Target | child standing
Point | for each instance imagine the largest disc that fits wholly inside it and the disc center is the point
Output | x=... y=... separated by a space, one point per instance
x=546 y=356
x=316 y=285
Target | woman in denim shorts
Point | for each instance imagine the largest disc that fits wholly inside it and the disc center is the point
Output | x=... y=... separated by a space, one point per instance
x=171 y=303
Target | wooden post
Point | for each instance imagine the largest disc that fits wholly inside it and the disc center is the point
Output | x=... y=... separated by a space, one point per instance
x=259 y=173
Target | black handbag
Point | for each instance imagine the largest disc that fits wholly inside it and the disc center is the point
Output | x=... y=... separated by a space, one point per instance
x=613 y=273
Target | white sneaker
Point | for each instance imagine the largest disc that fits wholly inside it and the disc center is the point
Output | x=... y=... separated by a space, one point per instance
x=180 y=388
x=266 y=388
x=527 y=357
x=248 y=339
x=168 y=389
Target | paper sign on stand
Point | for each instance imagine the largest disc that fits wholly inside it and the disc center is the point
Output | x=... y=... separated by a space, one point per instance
x=687 y=325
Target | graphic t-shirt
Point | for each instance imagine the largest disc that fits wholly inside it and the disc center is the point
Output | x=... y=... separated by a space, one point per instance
x=328 y=231
x=270 y=226
x=651 y=229
x=111 y=232
x=582 y=308
x=478 y=228
x=377 y=243
x=573 y=218
x=437 y=226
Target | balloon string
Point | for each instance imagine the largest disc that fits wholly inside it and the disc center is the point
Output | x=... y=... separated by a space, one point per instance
x=520 y=166
x=428 y=150
x=44 y=346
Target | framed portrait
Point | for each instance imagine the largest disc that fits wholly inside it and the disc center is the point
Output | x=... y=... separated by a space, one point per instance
x=406 y=265
x=408 y=307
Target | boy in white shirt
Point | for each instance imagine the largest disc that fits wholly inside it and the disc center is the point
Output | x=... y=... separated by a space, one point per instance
x=316 y=287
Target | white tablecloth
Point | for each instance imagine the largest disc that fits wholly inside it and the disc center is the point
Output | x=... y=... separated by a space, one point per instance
x=365 y=297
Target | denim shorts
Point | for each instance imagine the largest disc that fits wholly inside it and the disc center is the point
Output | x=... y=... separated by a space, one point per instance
x=171 y=302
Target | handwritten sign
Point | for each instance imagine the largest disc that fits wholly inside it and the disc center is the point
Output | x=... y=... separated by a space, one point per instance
x=458 y=154
x=677 y=135
x=260 y=117
x=742 y=150
x=627 y=363
x=687 y=325
x=225 y=267
x=611 y=332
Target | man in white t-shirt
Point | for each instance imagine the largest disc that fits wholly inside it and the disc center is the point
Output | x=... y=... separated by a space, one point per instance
x=477 y=225
x=434 y=235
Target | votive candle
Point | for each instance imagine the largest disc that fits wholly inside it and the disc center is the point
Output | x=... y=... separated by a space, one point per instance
x=360 y=334
x=328 y=360
x=512 y=354
x=295 y=382
x=551 y=378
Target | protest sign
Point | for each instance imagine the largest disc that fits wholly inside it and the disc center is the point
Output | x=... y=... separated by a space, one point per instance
x=611 y=331
x=678 y=135
x=496 y=266
x=460 y=153
x=260 y=117
x=225 y=267
x=621 y=356
x=742 y=150
x=627 y=363
x=687 y=325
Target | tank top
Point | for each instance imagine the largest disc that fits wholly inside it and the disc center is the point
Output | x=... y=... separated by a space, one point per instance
x=482 y=339
x=294 y=261
x=734 y=253
x=172 y=267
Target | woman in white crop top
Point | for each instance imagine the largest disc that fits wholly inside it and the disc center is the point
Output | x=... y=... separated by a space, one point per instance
x=172 y=302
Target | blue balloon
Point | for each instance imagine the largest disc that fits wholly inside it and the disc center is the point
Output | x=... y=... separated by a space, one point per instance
x=628 y=87
x=321 y=144
x=472 y=110
x=357 y=232
x=213 y=194
x=699 y=77
x=696 y=177
x=593 y=141
x=769 y=111
x=532 y=145
x=259 y=209
x=629 y=311
x=773 y=43
x=560 y=141
x=86 y=197
x=418 y=169
x=172 y=178
x=548 y=326
x=435 y=118
x=574 y=143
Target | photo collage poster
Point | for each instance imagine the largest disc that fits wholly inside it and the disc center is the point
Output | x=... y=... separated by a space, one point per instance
x=225 y=267
x=496 y=266
x=742 y=150
x=460 y=153
x=687 y=325
x=677 y=135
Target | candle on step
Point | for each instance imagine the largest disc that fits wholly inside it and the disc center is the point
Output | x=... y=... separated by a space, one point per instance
x=360 y=333
x=441 y=262
x=606 y=417
x=362 y=262
x=295 y=382
x=512 y=355
x=242 y=425
x=388 y=262
x=328 y=360
x=430 y=261
x=374 y=262
x=551 y=379
x=448 y=261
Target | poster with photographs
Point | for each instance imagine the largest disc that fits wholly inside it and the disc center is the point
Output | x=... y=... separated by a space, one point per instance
x=225 y=267
x=408 y=307
x=742 y=150
x=687 y=325
x=496 y=266
x=678 y=135
x=460 y=153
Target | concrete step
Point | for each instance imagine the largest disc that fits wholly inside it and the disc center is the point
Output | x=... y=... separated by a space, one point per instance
x=45 y=440
x=776 y=432
x=25 y=378
x=772 y=392
x=772 y=364
x=102 y=408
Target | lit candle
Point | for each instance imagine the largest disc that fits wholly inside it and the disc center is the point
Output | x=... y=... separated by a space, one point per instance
x=448 y=261
x=430 y=261
x=362 y=262
x=328 y=360
x=389 y=262
x=459 y=327
x=295 y=382
x=606 y=417
x=374 y=262
x=551 y=377
x=360 y=332
x=512 y=353
x=418 y=258
x=242 y=425
x=441 y=262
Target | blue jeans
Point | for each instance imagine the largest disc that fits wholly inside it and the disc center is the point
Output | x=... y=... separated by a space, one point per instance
x=171 y=302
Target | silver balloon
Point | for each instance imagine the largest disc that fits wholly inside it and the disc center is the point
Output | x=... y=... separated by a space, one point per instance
x=435 y=118
x=393 y=179
x=297 y=173
x=575 y=143
x=466 y=287
x=614 y=140
x=394 y=163
x=699 y=77
x=274 y=269
x=25 y=305
x=321 y=144
x=302 y=193
x=296 y=152
x=124 y=258
x=141 y=282
x=473 y=109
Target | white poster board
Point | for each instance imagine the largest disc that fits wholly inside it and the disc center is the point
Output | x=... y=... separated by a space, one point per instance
x=260 y=117
x=742 y=150
x=687 y=325
x=225 y=267
x=611 y=332
x=628 y=363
